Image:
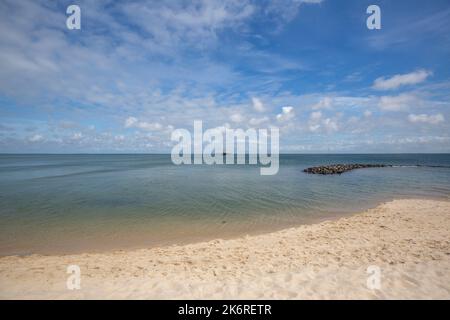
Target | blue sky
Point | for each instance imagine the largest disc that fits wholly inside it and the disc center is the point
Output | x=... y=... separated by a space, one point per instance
x=139 y=69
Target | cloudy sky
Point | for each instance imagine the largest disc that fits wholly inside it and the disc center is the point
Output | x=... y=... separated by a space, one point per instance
x=139 y=69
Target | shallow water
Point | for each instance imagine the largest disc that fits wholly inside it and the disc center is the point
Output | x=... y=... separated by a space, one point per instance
x=74 y=203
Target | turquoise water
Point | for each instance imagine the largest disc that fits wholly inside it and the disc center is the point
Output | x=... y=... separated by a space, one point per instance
x=74 y=203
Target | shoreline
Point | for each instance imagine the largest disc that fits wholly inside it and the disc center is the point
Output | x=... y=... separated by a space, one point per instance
x=408 y=239
x=190 y=241
x=262 y=230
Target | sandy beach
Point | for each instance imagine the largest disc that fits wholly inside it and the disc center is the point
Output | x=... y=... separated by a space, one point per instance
x=408 y=241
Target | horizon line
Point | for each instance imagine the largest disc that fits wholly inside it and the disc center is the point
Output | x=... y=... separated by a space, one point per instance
x=165 y=153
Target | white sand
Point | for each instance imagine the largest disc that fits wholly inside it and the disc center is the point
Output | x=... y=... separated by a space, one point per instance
x=409 y=240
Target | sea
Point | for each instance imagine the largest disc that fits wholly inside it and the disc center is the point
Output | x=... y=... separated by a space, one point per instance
x=72 y=203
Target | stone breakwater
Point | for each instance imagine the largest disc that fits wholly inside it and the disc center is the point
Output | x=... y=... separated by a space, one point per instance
x=341 y=168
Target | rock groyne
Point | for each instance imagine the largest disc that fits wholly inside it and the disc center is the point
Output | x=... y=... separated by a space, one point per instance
x=341 y=168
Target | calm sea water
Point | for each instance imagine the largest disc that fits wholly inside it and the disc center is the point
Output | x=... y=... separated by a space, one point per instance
x=73 y=203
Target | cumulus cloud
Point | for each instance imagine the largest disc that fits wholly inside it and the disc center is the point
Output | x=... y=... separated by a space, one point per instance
x=318 y=123
x=130 y=122
x=133 y=122
x=324 y=103
x=314 y=121
x=330 y=125
x=287 y=113
x=258 y=105
x=258 y=121
x=77 y=136
x=399 y=80
x=396 y=103
x=119 y=138
x=316 y=115
x=424 y=118
x=36 y=138
x=237 y=117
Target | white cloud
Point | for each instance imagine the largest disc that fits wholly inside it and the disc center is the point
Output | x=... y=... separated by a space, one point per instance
x=258 y=105
x=330 y=125
x=287 y=113
x=399 y=80
x=317 y=123
x=424 y=118
x=314 y=127
x=77 y=136
x=258 y=121
x=130 y=122
x=121 y=73
x=36 y=138
x=237 y=117
x=133 y=122
x=282 y=11
x=367 y=113
x=150 y=126
x=325 y=103
x=316 y=115
x=119 y=138
x=396 y=103
x=221 y=129
x=194 y=23
x=314 y=121
x=416 y=140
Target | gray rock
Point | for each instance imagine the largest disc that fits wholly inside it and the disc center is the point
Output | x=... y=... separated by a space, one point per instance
x=341 y=168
